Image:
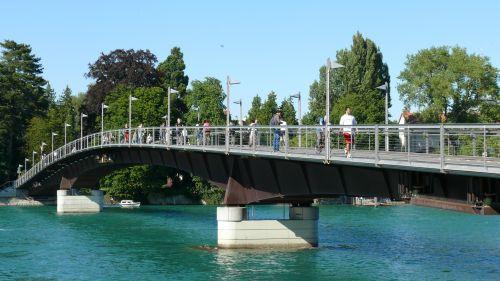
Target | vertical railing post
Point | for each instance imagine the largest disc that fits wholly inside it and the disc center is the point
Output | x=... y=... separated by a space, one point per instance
x=485 y=147
x=286 y=140
x=408 y=143
x=441 y=146
x=376 y=145
x=327 y=143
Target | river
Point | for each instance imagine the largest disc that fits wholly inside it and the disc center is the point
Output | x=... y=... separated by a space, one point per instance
x=177 y=243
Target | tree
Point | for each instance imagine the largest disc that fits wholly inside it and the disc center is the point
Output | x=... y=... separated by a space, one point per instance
x=269 y=107
x=22 y=97
x=254 y=111
x=354 y=85
x=120 y=67
x=448 y=80
x=288 y=111
x=171 y=73
x=209 y=97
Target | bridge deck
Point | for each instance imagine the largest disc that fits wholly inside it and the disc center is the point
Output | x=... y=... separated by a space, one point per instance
x=466 y=149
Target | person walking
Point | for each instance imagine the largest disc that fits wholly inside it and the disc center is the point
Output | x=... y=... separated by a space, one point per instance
x=320 y=135
x=251 y=141
x=206 y=132
x=348 y=120
x=275 y=121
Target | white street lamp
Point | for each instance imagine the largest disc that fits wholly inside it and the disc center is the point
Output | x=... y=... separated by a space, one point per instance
x=130 y=100
x=66 y=125
x=228 y=111
x=299 y=99
x=52 y=139
x=240 y=122
x=33 y=157
x=103 y=106
x=385 y=88
x=170 y=91
x=26 y=160
x=329 y=65
x=82 y=115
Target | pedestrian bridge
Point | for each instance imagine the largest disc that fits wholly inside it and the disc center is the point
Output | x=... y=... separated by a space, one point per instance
x=310 y=163
x=449 y=161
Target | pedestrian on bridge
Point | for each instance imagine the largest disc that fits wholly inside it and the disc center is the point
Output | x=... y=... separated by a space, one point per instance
x=320 y=135
x=275 y=122
x=348 y=120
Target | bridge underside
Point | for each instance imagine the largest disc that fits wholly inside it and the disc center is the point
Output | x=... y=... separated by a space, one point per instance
x=251 y=179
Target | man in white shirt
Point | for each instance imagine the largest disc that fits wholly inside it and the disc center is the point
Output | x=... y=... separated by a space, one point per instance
x=348 y=120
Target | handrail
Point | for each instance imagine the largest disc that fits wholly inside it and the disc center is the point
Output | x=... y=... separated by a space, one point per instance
x=479 y=142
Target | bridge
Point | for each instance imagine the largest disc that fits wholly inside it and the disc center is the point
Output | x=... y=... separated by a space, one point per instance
x=457 y=162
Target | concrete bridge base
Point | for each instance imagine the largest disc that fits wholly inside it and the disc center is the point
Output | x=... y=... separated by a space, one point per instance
x=67 y=203
x=234 y=230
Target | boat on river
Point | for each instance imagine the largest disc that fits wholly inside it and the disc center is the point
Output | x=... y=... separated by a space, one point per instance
x=129 y=204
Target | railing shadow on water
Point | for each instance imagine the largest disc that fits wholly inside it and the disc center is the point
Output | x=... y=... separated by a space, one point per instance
x=474 y=145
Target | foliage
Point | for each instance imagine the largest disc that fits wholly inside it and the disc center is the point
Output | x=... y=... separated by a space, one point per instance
x=59 y=113
x=448 y=80
x=254 y=111
x=203 y=190
x=269 y=108
x=171 y=73
x=120 y=67
x=288 y=111
x=354 y=85
x=22 y=98
x=209 y=97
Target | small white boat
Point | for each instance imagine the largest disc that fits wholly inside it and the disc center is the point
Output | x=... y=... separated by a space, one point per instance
x=129 y=204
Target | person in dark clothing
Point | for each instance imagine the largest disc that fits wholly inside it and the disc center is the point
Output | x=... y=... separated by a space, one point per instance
x=275 y=122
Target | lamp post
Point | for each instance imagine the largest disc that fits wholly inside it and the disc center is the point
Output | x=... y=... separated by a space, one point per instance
x=82 y=115
x=66 y=125
x=33 y=157
x=329 y=65
x=385 y=88
x=228 y=111
x=52 y=142
x=26 y=160
x=240 y=121
x=130 y=100
x=170 y=91
x=103 y=106
x=19 y=171
x=197 y=108
x=299 y=100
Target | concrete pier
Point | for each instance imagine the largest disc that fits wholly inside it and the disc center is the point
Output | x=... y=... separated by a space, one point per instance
x=67 y=203
x=234 y=230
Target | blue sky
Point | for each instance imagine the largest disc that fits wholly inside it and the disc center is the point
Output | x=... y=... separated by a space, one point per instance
x=268 y=45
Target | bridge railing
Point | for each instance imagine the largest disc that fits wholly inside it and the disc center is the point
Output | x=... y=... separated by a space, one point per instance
x=475 y=145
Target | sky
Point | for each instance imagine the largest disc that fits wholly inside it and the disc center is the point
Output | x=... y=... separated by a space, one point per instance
x=267 y=45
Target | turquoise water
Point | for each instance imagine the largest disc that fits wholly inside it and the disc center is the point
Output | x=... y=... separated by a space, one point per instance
x=158 y=243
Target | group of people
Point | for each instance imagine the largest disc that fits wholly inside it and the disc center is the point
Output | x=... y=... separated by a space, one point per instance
x=347 y=120
x=180 y=135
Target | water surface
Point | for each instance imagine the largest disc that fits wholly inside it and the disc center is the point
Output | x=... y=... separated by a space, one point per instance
x=155 y=243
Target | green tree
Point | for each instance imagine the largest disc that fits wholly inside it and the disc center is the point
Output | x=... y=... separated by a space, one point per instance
x=269 y=107
x=209 y=97
x=448 y=80
x=120 y=67
x=354 y=85
x=171 y=73
x=288 y=111
x=254 y=111
x=22 y=98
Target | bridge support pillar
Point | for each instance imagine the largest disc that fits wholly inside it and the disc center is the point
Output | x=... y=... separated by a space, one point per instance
x=235 y=230
x=67 y=203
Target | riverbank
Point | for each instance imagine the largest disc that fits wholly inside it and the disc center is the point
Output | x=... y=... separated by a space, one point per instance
x=20 y=202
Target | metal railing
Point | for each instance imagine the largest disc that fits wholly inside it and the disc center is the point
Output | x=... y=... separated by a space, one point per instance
x=474 y=147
